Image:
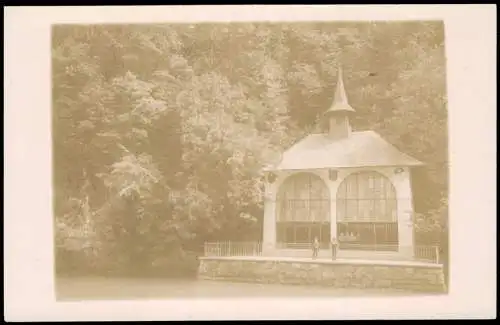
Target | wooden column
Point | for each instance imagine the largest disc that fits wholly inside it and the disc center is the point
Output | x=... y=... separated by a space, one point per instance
x=333 y=185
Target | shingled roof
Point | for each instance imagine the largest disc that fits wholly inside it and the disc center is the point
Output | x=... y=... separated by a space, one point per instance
x=360 y=149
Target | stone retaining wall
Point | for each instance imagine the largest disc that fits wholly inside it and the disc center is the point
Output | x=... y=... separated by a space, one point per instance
x=336 y=274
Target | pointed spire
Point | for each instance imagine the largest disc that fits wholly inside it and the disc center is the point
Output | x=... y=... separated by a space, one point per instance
x=340 y=94
x=340 y=102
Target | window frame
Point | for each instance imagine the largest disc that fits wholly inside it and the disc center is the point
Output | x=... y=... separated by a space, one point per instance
x=367 y=203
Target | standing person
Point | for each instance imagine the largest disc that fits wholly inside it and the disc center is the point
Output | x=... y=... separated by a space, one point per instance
x=315 y=247
x=334 y=244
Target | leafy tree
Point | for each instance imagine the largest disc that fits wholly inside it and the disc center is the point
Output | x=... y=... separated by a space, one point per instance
x=161 y=131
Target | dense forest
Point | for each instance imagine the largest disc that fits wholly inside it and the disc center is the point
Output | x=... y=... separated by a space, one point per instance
x=146 y=117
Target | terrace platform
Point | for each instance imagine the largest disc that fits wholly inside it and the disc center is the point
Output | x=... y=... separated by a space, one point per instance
x=323 y=260
x=349 y=255
x=338 y=273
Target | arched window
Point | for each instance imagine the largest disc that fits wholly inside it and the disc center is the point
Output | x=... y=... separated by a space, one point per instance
x=367 y=212
x=303 y=211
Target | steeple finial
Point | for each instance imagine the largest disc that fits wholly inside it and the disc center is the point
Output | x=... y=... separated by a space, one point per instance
x=338 y=114
x=340 y=102
x=340 y=94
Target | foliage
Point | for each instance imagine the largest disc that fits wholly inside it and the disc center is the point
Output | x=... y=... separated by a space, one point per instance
x=170 y=125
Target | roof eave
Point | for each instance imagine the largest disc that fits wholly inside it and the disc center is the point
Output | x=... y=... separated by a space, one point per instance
x=278 y=168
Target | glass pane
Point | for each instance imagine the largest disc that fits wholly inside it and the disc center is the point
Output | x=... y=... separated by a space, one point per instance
x=381 y=231
x=363 y=186
x=319 y=190
x=290 y=234
x=368 y=236
x=302 y=235
x=351 y=210
x=303 y=194
x=325 y=207
x=352 y=187
x=379 y=188
x=281 y=210
x=314 y=211
x=287 y=216
x=280 y=232
x=342 y=190
x=319 y=211
x=302 y=212
x=393 y=211
x=315 y=232
x=390 y=192
x=365 y=210
x=392 y=236
x=341 y=210
x=381 y=205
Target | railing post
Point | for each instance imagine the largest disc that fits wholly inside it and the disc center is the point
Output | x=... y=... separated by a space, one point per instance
x=229 y=248
x=437 y=254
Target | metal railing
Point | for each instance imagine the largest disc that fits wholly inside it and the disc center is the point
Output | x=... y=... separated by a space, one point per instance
x=419 y=253
x=234 y=249
x=427 y=253
x=369 y=247
x=230 y=248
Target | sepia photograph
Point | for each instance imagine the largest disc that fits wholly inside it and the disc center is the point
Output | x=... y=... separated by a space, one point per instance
x=250 y=159
x=254 y=162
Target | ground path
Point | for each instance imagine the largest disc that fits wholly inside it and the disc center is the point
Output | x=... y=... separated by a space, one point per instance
x=101 y=288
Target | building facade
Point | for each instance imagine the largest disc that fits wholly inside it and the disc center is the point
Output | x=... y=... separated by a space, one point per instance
x=351 y=185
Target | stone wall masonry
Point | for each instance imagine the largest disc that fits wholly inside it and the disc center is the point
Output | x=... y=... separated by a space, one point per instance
x=335 y=274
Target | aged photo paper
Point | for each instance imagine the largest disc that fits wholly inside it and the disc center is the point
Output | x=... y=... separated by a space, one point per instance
x=250 y=162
